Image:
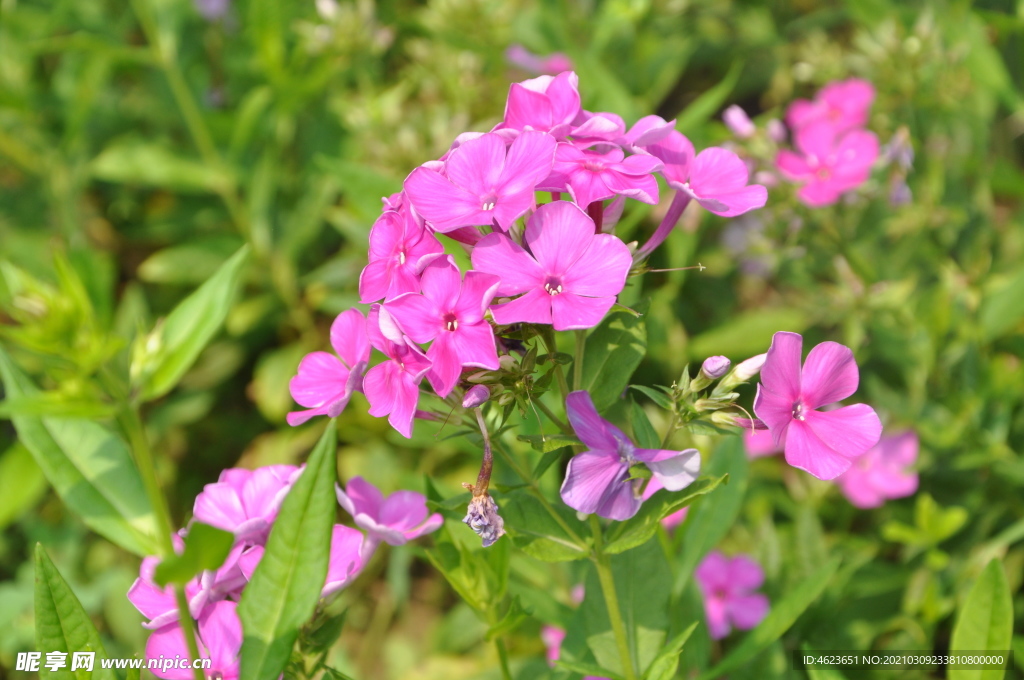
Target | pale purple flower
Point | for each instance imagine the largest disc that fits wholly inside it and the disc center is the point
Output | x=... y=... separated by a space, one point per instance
x=398 y=241
x=212 y=10
x=748 y=368
x=823 y=443
x=883 y=473
x=829 y=164
x=392 y=387
x=482 y=185
x=591 y=176
x=844 y=105
x=570 y=274
x=728 y=587
x=450 y=312
x=737 y=120
x=325 y=382
x=476 y=396
x=546 y=103
x=395 y=520
x=715 y=367
x=246 y=502
x=596 y=480
x=552 y=64
x=219 y=637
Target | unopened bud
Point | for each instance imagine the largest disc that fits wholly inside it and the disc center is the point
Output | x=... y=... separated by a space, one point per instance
x=483 y=518
x=476 y=396
x=507 y=363
x=723 y=418
x=746 y=370
x=737 y=120
x=776 y=130
x=715 y=367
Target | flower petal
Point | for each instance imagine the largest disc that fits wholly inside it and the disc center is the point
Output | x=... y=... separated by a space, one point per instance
x=591 y=428
x=443 y=204
x=348 y=337
x=360 y=497
x=319 y=381
x=746 y=611
x=744 y=574
x=674 y=469
x=498 y=255
x=476 y=164
x=474 y=346
x=557 y=235
x=601 y=270
x=594 y=477
x=478 y=289
x=575 y=312
x=850 y=431
x=534 y=307
x=221 y=632
x=529 y=161
x=781 y=370
x=829 y=375
x=805 y=451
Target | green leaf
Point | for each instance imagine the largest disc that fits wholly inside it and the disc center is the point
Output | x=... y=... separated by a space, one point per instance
x=546 y=461
x=613 y=351
x=645 y=434
x=535 y=531
x=190 y=326
x=90 y=468
x=658 y=396
x=479 y=575
x=985 y=621
x=549 y=442
x=587 y=669
x=51 y=404
x=782 y=616
x=642 y=526
x=62 y=624
x=665 y=664
x=206 y=548
x=284 y=590
x=22 y=483
x=136 y=162
x=709 y=522
x=189 y=263
x=705 y=105
x=515 y=615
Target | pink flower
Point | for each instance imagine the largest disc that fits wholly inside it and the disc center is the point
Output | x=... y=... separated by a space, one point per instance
x=821 y=442
x=392 y=387
x=729 y=600
x=219 y=638
x=397 y=519
x=828 y=164
x=552 y=637
x=589 y=176
x=882 y=473
x=570 y=274
x=246 y=501
x=398 y=240
x=670 y=522
x=759 y=443
x=483 y=185
x=349 y=554
x=597 y=479
x=451 y=313
x=737 y=120
x=517 y=55
x=546 y=103
x=844 y=105
x=648 y=131
x=325 y=383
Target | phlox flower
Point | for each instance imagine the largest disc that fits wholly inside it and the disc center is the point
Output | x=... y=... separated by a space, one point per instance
x=450 y=312
x=821 y=442
x=546 y=103
x=597 y=480
x=829 y=164
x=246 y=502
x=482 y=184
x=398 y=241
x=570 y=275
x=844 y=105
x=882 y=473
x=647 y=131
x=737 y=120
x=759 y=443
x=551 y=64
x=395 y=520
x=392 y=387
x=590 y=176
x=219 y=637
x=729 y=600
x=325 y=382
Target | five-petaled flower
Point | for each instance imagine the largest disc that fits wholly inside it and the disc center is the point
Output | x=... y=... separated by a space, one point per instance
x=392 y=387
x=829 y=163
x=728 y=587
x=398 y=241
x=883 y=473
x=395 y=520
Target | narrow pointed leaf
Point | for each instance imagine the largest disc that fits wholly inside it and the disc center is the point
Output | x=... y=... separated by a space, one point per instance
x=985 y=622
x=206 y=548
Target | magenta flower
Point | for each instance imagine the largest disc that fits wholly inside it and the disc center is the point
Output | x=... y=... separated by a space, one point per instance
x=737 y=120
x=552 y=637
x=246 y=501
x=759 y=443
x=882 y=473
x=397 y=519
x=828 y=165
x=648 y=131
x=570 y=274
x=590 y=176
x=517 y=55
x=729 y=600
x=219 y=638
x=597 y=480
x=324 y=382
x=349 y=554
x=392 y=387
x=398 y=241
x=450 y=312
x=821 y=442
x=482 y=185
x=844 y=105
x=673 y=520
x=546 y=103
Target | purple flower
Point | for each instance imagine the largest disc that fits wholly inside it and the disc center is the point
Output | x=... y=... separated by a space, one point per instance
x=729 y=600
x=759 y=443
x=597 y=479
x=482 y=185
x=246 y=501
x=715 y=367
x=546 y=103
x=392 y=387
x=450 y=312
x=882 y=473
x=397 y=519
x=398 y=240
x=590 y=176
x=324 y=383
x=570 y=274
x=821 y=442
x=476 y=396
x=737 y=120
x=828 y=164
x=517 y=55
x=219 y=638
x=844 y=105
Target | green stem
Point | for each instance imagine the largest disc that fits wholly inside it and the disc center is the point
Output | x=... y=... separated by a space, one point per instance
x=506 y=672
x=188 y=629
x=577 y=370
x=552 y=417
x=604 y=574
x=549 y=342
x=673 y=425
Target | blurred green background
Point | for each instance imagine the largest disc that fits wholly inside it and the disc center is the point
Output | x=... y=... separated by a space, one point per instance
x=142 y=143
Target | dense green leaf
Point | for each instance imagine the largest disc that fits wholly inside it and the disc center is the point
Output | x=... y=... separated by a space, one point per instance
x=134 y=161
x=985 y=621
x=22 y=483
x=286 y=585
x=206 y=548
x=658 y=396
x=613 y=351
x=644 y=433
x=666 y=663
x=540 y=535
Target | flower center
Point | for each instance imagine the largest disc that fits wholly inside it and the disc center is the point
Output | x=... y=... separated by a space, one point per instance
x=451 y=322
x=401 y=257
x=798 y=411
x=216 y=675
x=553 y=285
x=489 y=201
x=593 y=166
x=823 y=174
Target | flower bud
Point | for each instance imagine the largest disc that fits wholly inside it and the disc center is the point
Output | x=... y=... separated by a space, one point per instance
x=476 y=396
x=715 y=367
x=483 y=518
x=737 y=120
x=507 y=363
x=776 y=130
x=749 y=368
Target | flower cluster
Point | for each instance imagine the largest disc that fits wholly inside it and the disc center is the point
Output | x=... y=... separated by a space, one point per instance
x=550 y=262
x=246 y=503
